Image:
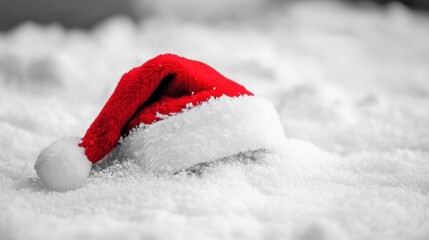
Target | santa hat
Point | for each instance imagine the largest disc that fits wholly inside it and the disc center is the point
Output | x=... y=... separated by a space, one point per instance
x=171 y=113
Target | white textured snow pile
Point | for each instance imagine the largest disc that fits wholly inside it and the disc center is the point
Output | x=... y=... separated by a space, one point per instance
x=350 y=84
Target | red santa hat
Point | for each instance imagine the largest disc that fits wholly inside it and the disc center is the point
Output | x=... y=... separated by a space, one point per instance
x=171 y=113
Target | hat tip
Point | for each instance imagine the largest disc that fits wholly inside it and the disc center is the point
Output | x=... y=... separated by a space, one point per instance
x=63 y=165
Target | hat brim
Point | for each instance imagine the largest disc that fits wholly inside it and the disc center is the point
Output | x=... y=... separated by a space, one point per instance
x=215 y=129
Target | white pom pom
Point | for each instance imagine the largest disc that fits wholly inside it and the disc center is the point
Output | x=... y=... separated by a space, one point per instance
x=63 y=165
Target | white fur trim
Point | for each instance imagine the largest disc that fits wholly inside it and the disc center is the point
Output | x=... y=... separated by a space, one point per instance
x=63 y=165
x=215 y=129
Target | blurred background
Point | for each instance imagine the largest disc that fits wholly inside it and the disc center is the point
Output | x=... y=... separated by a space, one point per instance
x=85 y=14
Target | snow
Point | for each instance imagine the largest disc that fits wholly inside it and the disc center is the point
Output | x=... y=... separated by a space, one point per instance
x=350 y=85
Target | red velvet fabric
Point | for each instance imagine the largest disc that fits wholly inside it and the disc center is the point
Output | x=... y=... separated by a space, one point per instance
x=163 y=85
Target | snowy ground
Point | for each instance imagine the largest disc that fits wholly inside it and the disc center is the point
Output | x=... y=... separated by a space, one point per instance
x=351 y=86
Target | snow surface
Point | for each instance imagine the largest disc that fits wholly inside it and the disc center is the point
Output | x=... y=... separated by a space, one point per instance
x=351 y=87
